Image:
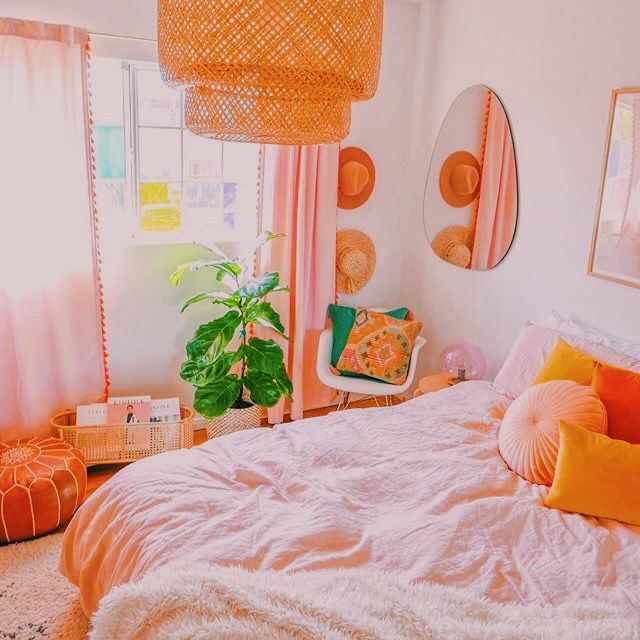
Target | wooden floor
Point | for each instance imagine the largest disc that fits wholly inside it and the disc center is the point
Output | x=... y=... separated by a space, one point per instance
x=99 y=474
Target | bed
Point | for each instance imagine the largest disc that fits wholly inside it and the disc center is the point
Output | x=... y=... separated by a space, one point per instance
x=419 y=489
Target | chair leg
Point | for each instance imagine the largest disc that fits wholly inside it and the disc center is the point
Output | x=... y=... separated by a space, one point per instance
x=344 y=398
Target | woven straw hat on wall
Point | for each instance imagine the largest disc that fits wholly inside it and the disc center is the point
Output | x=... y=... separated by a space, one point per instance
x=355 y=260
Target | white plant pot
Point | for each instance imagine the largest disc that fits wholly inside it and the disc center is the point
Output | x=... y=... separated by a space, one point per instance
x=234 y=420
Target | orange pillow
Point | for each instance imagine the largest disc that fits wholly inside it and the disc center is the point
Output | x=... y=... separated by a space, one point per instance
x=566 y=363
x=619 y=390
x=379 y=347
x=596 y=475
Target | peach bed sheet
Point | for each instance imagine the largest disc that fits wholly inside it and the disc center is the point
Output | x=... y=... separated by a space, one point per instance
x=419 y=489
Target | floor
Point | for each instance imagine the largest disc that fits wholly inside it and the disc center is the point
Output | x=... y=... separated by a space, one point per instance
x=99 y=474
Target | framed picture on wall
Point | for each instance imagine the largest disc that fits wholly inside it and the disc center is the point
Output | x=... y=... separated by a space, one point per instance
x=615 y=249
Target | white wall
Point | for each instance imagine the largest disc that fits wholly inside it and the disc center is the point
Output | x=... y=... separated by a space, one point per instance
x=146 y=334
x=553 y=64
x=382 y=127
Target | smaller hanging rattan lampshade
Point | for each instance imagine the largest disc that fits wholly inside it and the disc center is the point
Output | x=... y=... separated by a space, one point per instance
x=274 y=71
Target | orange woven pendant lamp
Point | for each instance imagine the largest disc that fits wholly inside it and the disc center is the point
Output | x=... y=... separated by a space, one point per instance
x=271 y=71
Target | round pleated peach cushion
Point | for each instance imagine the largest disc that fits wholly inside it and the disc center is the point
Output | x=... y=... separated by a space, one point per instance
x=42 y=483
x=530 y=435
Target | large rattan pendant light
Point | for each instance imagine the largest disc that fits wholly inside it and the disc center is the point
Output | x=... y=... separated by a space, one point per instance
x=272 y=71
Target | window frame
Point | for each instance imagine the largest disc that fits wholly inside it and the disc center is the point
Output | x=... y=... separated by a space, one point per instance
x=132 y=127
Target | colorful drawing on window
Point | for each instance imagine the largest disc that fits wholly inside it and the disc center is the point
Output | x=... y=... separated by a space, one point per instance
x=154 y=193
x=230 y=193
x=229 y=219
x=109 y=150
x=160 y=218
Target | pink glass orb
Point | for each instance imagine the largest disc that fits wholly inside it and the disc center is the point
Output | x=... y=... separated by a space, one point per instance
x=463 y=360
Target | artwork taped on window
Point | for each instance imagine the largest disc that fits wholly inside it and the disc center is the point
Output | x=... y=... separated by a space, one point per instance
x=156 y=182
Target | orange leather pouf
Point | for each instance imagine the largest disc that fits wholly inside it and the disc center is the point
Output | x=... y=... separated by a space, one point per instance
x=42 y=483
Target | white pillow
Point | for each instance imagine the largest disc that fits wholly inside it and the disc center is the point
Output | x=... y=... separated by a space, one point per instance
x=581 y=329
x=532 y=347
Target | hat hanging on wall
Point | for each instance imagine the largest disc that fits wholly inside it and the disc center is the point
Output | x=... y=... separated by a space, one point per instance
x=356 y=177
x=460 y=179
x=355 y=260
x=453 y=244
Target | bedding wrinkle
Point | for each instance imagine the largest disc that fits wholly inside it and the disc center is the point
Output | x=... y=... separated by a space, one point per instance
x=418 y=489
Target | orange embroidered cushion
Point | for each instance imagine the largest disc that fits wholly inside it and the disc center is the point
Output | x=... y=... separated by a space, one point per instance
x=529 y=434
x=42 y=483
x=596 y=475
x=619 y=389
x=379 y=346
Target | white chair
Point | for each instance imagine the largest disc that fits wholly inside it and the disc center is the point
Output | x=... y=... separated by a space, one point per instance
x=369 y=388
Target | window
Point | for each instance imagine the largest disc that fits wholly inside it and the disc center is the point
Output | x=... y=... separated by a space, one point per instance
x=155 y=181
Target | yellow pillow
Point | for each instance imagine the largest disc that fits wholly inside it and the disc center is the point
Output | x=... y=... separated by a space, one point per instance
x=596 y=475
x=566 y=363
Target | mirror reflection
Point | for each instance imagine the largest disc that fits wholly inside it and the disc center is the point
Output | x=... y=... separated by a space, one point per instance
x=471 y=196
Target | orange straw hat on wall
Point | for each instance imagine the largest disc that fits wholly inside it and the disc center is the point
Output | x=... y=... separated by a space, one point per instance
x=356 y=177
x=355 y=260
x=460 y=179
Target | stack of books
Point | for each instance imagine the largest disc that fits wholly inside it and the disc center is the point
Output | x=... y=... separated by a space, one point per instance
x=128 y=410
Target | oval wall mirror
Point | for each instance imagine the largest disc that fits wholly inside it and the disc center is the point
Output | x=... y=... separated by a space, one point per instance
x=471 y=197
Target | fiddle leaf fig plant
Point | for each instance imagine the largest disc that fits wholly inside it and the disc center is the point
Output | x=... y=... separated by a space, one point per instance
x=221 y=368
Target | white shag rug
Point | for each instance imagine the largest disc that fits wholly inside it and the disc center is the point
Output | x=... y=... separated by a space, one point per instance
x=209 y=602
x=205 y=601
x=36 y=602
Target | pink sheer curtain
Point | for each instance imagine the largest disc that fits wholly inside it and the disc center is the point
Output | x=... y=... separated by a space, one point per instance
x=51 y=352
x=300 y=199
x=497 y=206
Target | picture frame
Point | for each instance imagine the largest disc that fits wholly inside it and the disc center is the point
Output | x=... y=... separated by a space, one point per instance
x=615 y=244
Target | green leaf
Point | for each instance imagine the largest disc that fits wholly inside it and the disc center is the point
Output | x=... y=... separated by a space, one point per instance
x=223 y=266
x=178 y=273
x=214 y=399
x=263 y=389
x=283 y=381
x=263 y=355
x=267 y=388
x=203 y=371
x=210 y=339
x=263 y=238
x=217 y=297
x=263 y=313
x=260 y=286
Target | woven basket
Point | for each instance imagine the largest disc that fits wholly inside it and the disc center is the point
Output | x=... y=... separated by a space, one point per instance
x=282 y=71
x=117 y=443
x=234 y=420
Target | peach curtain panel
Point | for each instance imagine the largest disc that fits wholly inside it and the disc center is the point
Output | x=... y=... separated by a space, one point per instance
x=51 y=353
x=300 y=199
x=498 y=202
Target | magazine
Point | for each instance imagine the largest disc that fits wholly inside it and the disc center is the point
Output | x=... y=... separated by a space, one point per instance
x=165 y=410
x=128 y=399
x=89 y=415
x=128 y=413
x=128 y=410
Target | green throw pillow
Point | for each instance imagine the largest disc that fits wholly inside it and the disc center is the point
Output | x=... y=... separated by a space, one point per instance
x=343 y=318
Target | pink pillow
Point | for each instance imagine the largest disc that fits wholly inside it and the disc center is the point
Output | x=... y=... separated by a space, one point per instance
x=530 y=431
x=532 y=347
